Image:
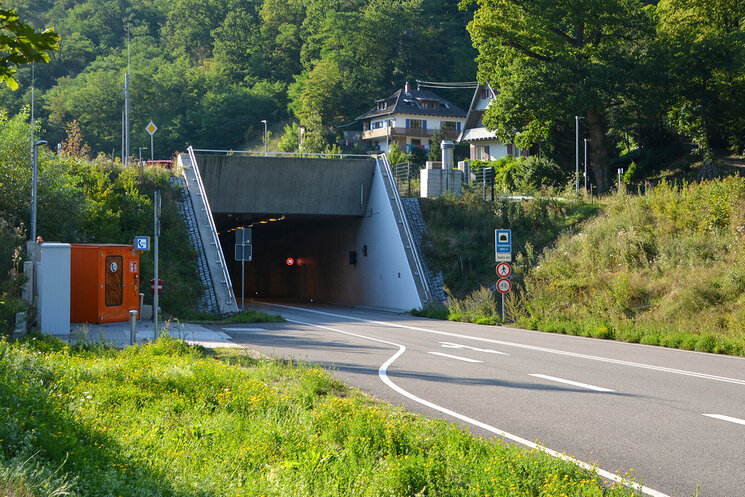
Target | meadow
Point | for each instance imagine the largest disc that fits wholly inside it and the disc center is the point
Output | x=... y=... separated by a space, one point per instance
x=169 y=419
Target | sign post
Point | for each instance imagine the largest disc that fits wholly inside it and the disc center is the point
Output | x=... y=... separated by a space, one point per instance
x=503 y=256
x=243 y=253
x=156 y=233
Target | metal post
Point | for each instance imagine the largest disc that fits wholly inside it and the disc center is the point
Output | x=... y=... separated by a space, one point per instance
x=34 y=186
x=243 y=277
x=142 y=299
x=156 y=232
x=586 y=140
x=576 y=155
x=265 y=143
x=125 y=159
x=133 y=329
x=151 y=149
x=503 y=308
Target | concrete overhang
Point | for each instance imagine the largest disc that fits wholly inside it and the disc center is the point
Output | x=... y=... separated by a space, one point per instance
x=253 y=188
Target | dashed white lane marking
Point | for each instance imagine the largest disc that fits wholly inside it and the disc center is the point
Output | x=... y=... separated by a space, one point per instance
x=383 y=374
x=726 y=418
x=528 y=347
x=244 y=329
x=458 y=358
x=570 y=382
x=450 y=345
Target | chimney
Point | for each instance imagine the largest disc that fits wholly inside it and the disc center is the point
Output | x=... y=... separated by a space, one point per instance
x=407 y=88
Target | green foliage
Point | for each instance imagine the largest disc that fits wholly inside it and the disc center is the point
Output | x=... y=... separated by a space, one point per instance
x=168 y=419
x=254 y=316
x=289 y=140
x=524 y=175
x=663 y=268
x=21 y=44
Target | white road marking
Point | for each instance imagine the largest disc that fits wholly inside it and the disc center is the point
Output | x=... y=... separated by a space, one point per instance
x=726 y=418
x=529 y=347
x=244 y=329
x=465 y=359
x=449 y=345
x=570 y=382
x=383 y=374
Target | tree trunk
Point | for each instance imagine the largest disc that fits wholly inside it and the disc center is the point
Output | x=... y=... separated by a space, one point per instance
x=599 y=157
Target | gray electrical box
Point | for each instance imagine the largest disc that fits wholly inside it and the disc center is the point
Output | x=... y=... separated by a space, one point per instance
x=53 y=273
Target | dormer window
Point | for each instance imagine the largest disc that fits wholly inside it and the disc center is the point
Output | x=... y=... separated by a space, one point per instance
x=382 y=105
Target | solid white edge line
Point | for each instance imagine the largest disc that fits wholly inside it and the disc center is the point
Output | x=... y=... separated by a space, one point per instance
x=722 y=417
x=464 y=359
x=527 y=347
x=383 y=374
x=571 y=382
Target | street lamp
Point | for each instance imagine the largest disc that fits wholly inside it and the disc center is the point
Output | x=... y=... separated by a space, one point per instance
x=576 y=155
x=265 y=144
x=586 y=140
x=34 y=180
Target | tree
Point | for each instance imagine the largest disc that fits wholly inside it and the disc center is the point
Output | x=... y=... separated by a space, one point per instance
x=73 y=145
x=21 y=44
x=552 y=60
x=705 y=50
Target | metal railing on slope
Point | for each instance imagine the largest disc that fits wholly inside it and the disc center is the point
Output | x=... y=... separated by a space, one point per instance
x=403 y=220
x=213 y=229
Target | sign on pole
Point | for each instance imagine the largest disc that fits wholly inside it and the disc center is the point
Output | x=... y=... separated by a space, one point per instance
x=503 y=245
x=504 y=285
x=243 y=253
x=504 y=269
x=142 y=243
x=151 y=128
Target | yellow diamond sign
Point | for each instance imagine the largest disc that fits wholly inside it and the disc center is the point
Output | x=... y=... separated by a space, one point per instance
x=151 y=128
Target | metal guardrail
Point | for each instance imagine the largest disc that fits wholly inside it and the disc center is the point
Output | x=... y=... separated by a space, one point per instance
x=281 y=154
x=388 y=173
x=213 y=228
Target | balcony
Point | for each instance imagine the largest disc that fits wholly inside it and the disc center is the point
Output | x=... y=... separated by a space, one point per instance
x=450 y=134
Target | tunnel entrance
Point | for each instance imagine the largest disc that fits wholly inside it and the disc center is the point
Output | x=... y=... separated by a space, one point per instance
x=296 y=257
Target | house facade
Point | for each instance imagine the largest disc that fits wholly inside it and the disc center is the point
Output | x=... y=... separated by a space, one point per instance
x=409 y=118
x=484 y=144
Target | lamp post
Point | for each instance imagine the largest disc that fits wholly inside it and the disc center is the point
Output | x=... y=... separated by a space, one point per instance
x=586 y=140
x=265 y=144
x=576 y=155
x=34 y=180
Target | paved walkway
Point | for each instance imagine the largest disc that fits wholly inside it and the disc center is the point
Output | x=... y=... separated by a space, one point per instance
x=118 y=334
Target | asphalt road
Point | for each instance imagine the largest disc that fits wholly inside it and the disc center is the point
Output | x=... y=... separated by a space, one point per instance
x=673 y=419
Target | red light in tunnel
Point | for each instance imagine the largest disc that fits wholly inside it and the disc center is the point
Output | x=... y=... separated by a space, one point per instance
x=290 y=261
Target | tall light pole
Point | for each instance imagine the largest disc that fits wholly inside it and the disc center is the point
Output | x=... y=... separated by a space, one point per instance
x=34 y=180
x=586 y=140
x=576 y=155
x=265 y=144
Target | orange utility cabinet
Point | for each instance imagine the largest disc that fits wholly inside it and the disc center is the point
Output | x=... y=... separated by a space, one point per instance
x=104 y=283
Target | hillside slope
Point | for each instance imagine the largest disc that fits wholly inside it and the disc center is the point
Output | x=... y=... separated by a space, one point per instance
x=664 y=268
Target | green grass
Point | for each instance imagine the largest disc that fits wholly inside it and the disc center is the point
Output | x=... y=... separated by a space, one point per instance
x=168 y=419
x=246 y=316
x=666 y=268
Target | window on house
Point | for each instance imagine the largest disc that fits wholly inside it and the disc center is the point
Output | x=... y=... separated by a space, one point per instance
x=429 y=104
x=382 y=105
x=415 y=123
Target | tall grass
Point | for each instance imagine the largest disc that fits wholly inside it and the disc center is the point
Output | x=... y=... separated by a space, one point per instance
x=168 y=419
x=666 y=268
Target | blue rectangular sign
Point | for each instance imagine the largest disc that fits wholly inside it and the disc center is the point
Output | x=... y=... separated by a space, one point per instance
x=503 y=241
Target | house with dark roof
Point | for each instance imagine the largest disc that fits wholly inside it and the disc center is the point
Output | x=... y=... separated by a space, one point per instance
x=484 y=144
x=409 y=118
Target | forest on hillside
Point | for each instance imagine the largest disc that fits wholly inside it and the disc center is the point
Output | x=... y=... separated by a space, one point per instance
x=207 y=72
x=646 y=81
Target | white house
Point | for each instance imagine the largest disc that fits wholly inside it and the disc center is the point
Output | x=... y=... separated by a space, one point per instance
x=483 y=143
x=410 y=118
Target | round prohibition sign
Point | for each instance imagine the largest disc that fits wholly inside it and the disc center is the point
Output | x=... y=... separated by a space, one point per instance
x=504 y=285
x=504 y=270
